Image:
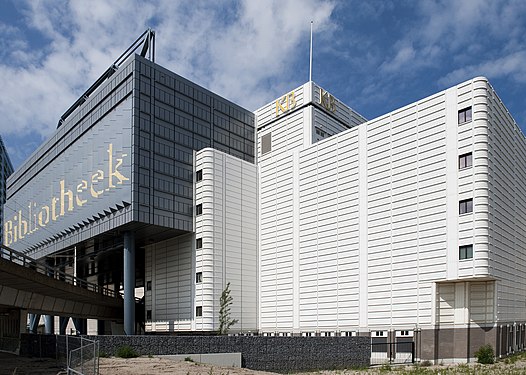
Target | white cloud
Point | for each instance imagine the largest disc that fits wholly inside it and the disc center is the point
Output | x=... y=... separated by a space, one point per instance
x=244 y=50
x=513 y=65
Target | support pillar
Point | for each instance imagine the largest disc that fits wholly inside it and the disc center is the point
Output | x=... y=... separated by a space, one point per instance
x=34 y=319
x=63 y=321
x=49 y=324
x=129 y=283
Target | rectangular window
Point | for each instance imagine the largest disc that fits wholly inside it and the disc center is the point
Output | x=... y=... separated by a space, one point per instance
x=266 y=143
x=198 y=175
x=199 y=209
x=148 y=314
x=148 y=285
x=464 y=115
x=465 y=206
x=465 y=252
x=198 y=311
x=198 y=243
x=198 y=277
x=465 y=161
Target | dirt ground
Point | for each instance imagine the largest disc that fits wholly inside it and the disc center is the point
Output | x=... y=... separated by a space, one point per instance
x=11 y=364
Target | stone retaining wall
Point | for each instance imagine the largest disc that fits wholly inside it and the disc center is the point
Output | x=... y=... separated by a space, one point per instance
x=280 y=354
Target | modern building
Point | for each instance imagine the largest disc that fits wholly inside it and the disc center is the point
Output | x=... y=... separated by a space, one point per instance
x=407 y=225
x=404 y=227
x=6 y=168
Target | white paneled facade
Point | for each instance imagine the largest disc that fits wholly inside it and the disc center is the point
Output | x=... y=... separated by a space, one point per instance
x=381 y=225
x=189 y=273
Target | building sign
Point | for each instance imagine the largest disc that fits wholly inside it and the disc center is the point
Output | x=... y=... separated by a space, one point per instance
x=86 y=179
x=285 y=103
x=327 y=101
x=37 y=215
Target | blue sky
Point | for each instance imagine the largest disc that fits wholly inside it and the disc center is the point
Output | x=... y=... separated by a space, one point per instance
x=375 y=56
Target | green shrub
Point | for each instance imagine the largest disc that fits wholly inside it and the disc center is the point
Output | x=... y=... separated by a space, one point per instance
x=485 y=355
x=126 y=351
x=188 y=359
x=104 y=355
x=426 y=363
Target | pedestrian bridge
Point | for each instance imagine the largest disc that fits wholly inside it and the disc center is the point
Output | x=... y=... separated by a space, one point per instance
x=26 y=284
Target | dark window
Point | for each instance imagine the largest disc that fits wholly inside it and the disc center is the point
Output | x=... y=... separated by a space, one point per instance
x=464 y=115
x=148 y=285
x=465 y=252
x=198 y=277
x=148 y=314
x=266 y=144
x=465 y=206
x=198 y=209
x=198 y=311
x=465 y=161
x=198 y=175
x=198 y=243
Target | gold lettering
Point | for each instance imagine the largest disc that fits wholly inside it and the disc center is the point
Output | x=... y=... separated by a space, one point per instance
x=80 y=188
x=327 y=101
x=15 y=238
x=41 y=221
x=114 y=172
x=54 y=215
x=97 y=176
x=63 y=194
x=285 y=103
x=8 y=233
x=279 y=106
x=22 y=226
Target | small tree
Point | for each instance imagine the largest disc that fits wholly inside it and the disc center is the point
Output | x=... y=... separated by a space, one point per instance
x=224 y=311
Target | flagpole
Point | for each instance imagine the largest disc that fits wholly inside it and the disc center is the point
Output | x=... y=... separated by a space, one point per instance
x=310 y=65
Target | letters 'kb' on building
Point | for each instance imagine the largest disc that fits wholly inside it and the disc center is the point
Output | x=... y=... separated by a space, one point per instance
x=409 y=226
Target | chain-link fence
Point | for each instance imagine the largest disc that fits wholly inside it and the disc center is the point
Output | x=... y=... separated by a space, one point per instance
x=78 y=354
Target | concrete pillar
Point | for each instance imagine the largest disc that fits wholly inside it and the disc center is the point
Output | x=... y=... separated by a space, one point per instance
x=49 y=324
x=63 y=324
x=34 y=319
x=129 y=283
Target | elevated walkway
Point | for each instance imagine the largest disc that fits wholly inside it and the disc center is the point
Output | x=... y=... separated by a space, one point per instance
x=26 y=284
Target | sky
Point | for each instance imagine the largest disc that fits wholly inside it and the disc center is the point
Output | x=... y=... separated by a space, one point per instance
x=375 y=56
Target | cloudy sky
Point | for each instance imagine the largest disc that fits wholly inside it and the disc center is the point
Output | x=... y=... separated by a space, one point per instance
x=375 y=56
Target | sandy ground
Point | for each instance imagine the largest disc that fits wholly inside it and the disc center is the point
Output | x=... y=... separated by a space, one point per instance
x=11 y=364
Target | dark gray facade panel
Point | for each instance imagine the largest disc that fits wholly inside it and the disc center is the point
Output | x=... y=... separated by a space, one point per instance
x=154 y=120
x=85 y=181
x=177 y=117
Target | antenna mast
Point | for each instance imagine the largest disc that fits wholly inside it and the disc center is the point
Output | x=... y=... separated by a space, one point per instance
x=310 y=64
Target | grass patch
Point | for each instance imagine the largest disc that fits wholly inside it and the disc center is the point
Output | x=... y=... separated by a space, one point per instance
x=126 y=351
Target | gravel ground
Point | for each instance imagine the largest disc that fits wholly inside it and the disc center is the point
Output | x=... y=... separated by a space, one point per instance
x=11 y=364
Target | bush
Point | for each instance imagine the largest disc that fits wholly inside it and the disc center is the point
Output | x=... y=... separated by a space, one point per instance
x=485 y=355
x=126 y=351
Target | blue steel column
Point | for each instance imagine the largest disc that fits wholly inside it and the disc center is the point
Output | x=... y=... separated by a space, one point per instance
x=129 y=283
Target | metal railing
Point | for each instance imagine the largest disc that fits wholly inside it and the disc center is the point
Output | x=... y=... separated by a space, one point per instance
x=25 y=261
x=398 y=352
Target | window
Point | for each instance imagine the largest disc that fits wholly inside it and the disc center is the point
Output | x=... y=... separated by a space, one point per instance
x=199 y=175
x=199 y=209
x=198 y=311
x=465 y=161
x=320 y=132
x=198 y=277
x=148 y=314
x=198 y=243
x=464 y=115
x=465 y=252
x=266 y=144
x=148 y=285
x=465 y=206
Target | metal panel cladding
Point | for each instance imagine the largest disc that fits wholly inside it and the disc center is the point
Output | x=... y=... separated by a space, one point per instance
x=88 y=178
